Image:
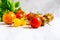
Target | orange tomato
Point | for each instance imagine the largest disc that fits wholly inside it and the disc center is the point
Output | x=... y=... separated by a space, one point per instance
x=8 y=17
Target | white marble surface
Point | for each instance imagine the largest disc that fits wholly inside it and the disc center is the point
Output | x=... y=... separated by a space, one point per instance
x=48 y=32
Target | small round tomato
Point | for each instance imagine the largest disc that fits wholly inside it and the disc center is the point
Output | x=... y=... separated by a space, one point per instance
x=30 y=16
x=20 y=14
x=16 y=22
x=49 y=16
x=35 y=22
x=12 y=15
x=8 y=17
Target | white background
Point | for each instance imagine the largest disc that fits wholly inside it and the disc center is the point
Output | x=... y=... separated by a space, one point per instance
x=48 y=32
x=42 y=6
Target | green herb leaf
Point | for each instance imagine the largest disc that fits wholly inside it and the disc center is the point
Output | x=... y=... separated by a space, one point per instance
x=17 y=4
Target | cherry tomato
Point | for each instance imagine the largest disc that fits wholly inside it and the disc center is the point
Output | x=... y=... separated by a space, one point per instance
x=30 y=16
x=35 y=22
x=49 y=16
x=20 y=14
x=8 y=17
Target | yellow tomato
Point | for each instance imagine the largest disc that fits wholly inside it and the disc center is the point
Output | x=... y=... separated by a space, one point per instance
x=16 y=22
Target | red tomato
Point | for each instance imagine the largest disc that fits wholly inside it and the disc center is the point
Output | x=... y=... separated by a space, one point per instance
x=20 y=14
x=30 y=16
x=35 y=22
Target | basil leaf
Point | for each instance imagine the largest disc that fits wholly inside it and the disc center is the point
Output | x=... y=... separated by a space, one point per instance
x=17 y=4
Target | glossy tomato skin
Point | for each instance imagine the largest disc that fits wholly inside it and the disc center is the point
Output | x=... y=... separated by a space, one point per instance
x=20 y=14
x=8 y=17
x=30 y=16
x=49 y=16
x=35 y=22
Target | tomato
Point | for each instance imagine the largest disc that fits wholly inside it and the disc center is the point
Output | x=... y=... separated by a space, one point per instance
x=35 y=22
x=8 y=17
x=19 y=22
x=16 y=22
x=20 y=14
x=30 y=16
x=12 y=15
x=49 y=16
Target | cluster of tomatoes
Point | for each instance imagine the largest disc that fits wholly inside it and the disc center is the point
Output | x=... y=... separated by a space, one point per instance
x=37 y=19
x=20 y=18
